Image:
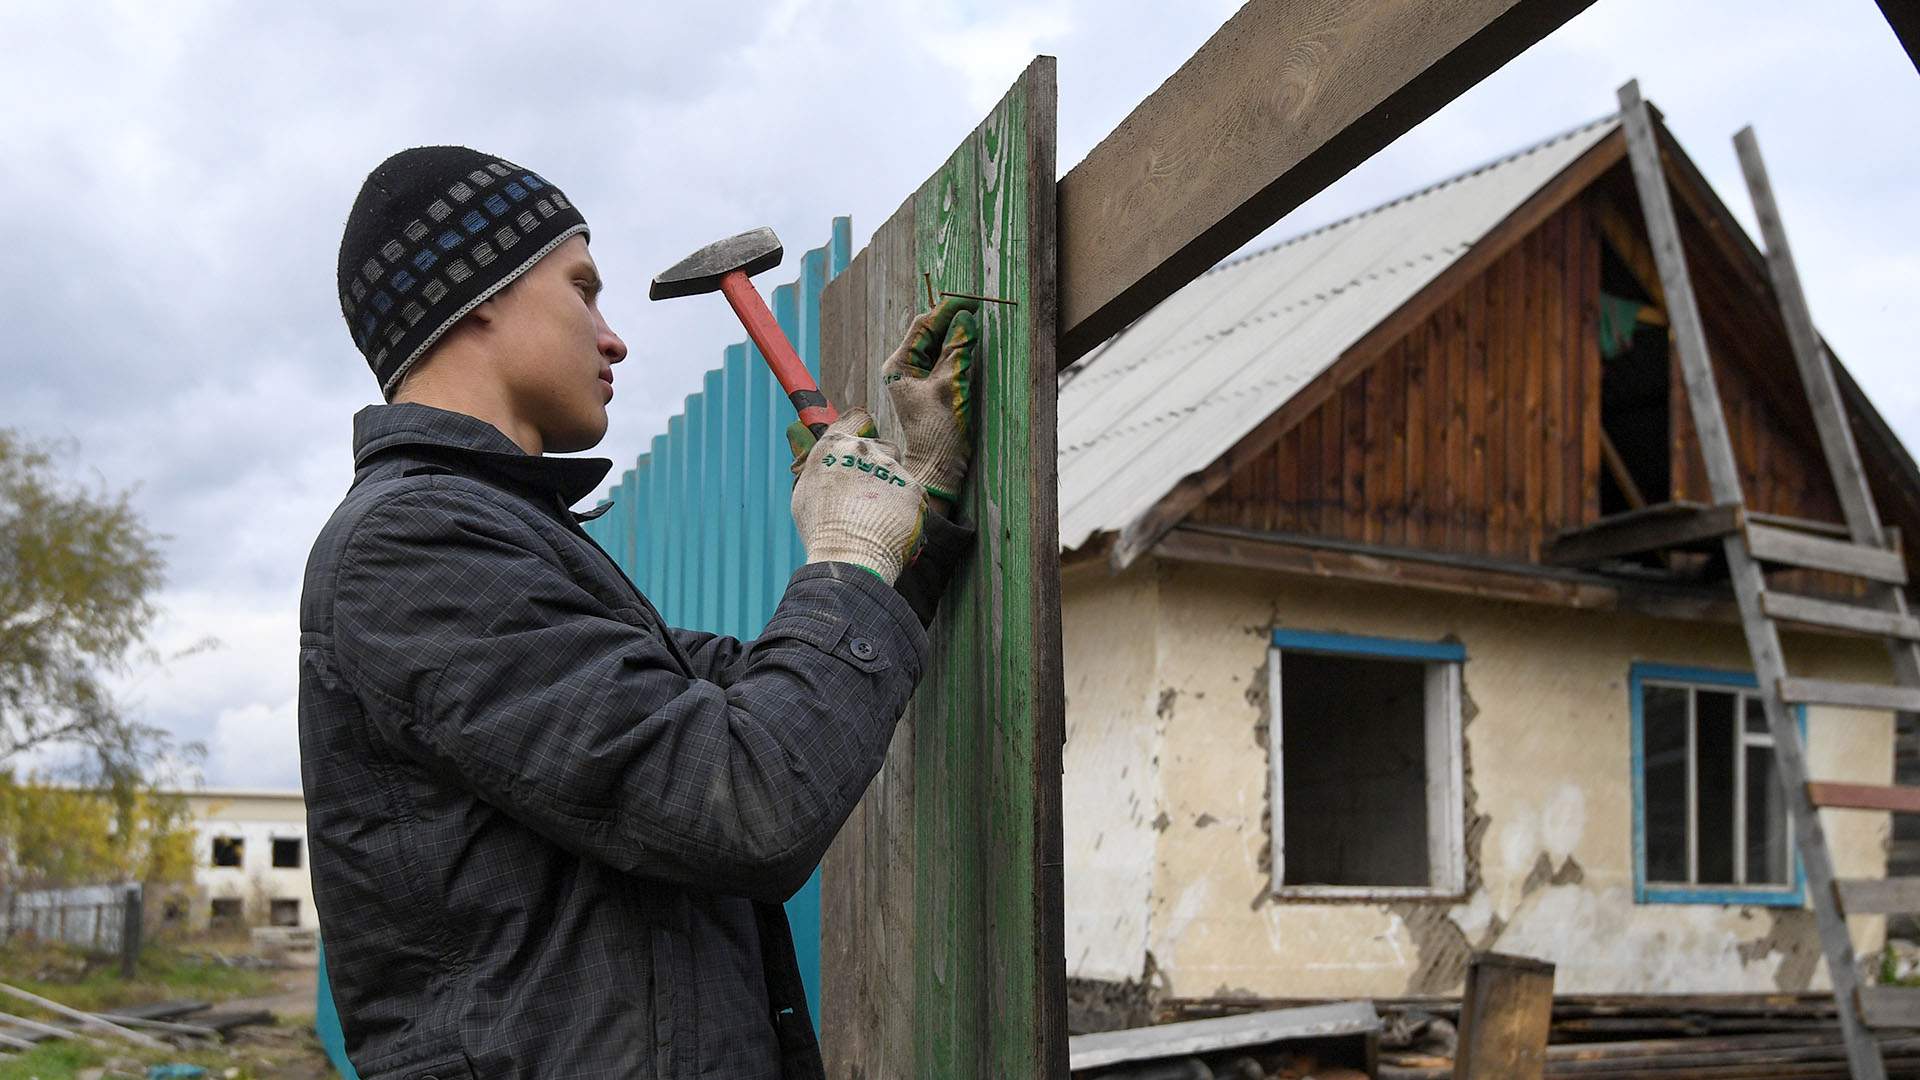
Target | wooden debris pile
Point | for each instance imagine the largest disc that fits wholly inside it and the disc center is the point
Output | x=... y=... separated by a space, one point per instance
x=160 y=1026
x=1319 y=1042
x=1678 y=1037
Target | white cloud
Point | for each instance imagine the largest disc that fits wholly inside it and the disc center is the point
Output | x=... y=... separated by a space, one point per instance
x=256 y=746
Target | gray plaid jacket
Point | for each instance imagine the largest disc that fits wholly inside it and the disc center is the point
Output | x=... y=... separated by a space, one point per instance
x=550 y=835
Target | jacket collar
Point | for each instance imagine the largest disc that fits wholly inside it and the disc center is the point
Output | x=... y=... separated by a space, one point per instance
x=379 y=428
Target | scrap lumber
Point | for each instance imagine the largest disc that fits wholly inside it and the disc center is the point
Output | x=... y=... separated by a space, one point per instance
x=1247 y=1030
x=47 y=1031
x=1504 y=1018
x=84 y=1019
x=1280 y=102
x=942 y=949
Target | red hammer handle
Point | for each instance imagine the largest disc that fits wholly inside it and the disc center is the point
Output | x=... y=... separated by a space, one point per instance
x=815 y=410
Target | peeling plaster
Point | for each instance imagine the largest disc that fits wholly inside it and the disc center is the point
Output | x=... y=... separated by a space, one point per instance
x=1792 y=937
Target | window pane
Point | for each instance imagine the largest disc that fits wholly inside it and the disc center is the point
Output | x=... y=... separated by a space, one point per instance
x=1354 y=771
x=1756 y=716
x=1664 y=739
x=1768 y=860
x=1713 y=749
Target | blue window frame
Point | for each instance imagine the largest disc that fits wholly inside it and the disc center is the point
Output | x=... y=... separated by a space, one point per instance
x=1377 y=773
x=1710 y=823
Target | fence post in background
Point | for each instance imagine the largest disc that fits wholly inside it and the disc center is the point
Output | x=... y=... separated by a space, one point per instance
x=132 y=924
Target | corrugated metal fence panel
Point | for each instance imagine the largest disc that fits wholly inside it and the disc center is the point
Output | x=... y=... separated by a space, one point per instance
x=701 y=522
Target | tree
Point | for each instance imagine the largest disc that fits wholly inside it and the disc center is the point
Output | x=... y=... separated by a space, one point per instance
x=77 y=578
x=52 y=836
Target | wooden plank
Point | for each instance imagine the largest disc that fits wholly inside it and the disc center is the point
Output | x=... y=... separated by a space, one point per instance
x=1834 y=796
x=1506 y=1012
x=1890 y=1006
x=1140 y=535
x=1255 y=1029
x=1840 y=616
x=1788 y=547
x=85 y=1020
x=1475 y=450
x=942 y=944
x=1622 y=476
x=1848 y=694
x=1281 y=101
x=1655 y=528
x=1879 y=896
x=1553 y=360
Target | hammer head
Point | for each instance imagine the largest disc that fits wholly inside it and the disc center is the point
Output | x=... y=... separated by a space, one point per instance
x=701 y=271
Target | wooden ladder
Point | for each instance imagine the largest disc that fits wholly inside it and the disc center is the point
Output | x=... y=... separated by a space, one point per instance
x=1866 y=555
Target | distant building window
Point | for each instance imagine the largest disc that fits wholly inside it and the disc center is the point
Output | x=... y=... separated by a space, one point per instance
x=174 y=910
x=1365 y=748
x=229 y=850
x=286 y=854
x=285 y=913
x=1711 y=822
x=227 y=911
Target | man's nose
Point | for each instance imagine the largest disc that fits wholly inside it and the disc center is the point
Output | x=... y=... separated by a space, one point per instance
x=611 y=346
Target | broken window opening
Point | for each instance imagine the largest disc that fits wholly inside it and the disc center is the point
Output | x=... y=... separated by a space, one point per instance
x=284 y=913
x=286 y=853
x=1713 y=817
x=1367 y=785
x=1635 y=391
x=226 y=912
x=229 y=851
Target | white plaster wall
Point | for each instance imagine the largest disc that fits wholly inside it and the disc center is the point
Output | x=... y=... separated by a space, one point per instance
x=1549 y=744
x=258 y=819
x=1109 y=795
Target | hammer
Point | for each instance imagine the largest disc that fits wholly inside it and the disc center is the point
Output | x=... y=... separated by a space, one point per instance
x=725 y=265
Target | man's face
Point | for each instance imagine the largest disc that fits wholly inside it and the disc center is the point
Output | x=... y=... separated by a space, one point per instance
x=556 y=351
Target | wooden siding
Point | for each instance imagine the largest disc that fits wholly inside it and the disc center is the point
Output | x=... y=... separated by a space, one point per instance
x=1478 y=432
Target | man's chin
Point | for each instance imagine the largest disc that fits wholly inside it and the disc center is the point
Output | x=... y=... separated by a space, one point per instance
x=583 y=437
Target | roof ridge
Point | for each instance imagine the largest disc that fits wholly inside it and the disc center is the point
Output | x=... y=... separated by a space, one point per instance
x=1504 y=159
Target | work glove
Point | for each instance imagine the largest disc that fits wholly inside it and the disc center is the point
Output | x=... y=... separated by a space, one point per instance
x=852 y=500
x=930 y=379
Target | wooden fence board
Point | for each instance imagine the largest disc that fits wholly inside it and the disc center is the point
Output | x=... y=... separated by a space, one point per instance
x=942 y=938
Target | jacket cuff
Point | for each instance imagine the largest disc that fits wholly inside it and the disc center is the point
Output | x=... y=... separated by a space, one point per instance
x=861 y=597
x=944 y=545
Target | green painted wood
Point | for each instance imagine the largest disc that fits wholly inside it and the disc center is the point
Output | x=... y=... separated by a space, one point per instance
x=942 y=948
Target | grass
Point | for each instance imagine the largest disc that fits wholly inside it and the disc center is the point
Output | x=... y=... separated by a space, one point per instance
x=164 y=972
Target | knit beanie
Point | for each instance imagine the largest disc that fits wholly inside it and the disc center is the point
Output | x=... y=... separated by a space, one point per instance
x=435 y=231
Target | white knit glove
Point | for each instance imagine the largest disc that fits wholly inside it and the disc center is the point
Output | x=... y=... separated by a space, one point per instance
x=852 y=502
x=930 y=379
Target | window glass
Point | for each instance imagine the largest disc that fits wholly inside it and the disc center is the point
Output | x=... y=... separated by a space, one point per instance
x=1664 y=729
x=1715 y=743
x=1769 y=860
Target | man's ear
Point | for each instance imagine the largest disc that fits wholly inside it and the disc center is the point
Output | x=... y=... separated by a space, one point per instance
x=485 y=312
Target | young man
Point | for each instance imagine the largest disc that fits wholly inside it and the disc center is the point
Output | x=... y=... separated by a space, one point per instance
x=550 y=834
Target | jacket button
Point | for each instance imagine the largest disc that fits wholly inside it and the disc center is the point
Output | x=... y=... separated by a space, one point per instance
x=863 y=649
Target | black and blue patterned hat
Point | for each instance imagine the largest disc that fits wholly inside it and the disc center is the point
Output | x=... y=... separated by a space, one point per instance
x=436 y=230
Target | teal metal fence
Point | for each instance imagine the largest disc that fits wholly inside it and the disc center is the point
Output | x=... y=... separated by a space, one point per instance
x=718 y=562
x=714 y=563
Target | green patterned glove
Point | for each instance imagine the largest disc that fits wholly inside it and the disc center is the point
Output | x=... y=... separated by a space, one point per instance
x=930 y=379
x=852 y=500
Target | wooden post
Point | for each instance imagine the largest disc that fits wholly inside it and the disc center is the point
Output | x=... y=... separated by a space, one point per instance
x=132 y=923
x=941 y=940
x=1504 y=1019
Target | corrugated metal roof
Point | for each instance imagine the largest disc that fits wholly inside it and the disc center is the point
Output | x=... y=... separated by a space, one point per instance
x=1182 y=385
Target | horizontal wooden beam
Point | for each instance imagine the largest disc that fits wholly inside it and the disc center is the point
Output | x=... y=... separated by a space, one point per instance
x=1878 y=896
x=1849 y=695
x=1771 y=544
x=1834 y=796
x=1889 y=1006
x=1282 y=101
x=1462 y=575
x=1656 y=528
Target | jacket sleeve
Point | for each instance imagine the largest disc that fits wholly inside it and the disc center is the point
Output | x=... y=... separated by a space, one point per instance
x=479 y=656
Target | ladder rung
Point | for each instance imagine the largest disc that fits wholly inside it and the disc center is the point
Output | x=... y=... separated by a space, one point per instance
x=1837 y=616
x=1772 y=544
x=1879 y=896
x=1890 y=1006
x=1900 y=800
x=1849 y=695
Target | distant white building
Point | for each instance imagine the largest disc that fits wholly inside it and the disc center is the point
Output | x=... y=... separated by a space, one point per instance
x=250 y=861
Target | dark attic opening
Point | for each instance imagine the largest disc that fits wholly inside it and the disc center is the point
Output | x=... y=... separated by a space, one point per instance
x=1635 y=384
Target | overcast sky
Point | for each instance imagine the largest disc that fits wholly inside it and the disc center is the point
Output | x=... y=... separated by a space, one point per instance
x=176 y=176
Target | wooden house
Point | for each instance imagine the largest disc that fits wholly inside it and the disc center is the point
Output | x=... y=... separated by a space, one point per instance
x=1393 y=626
